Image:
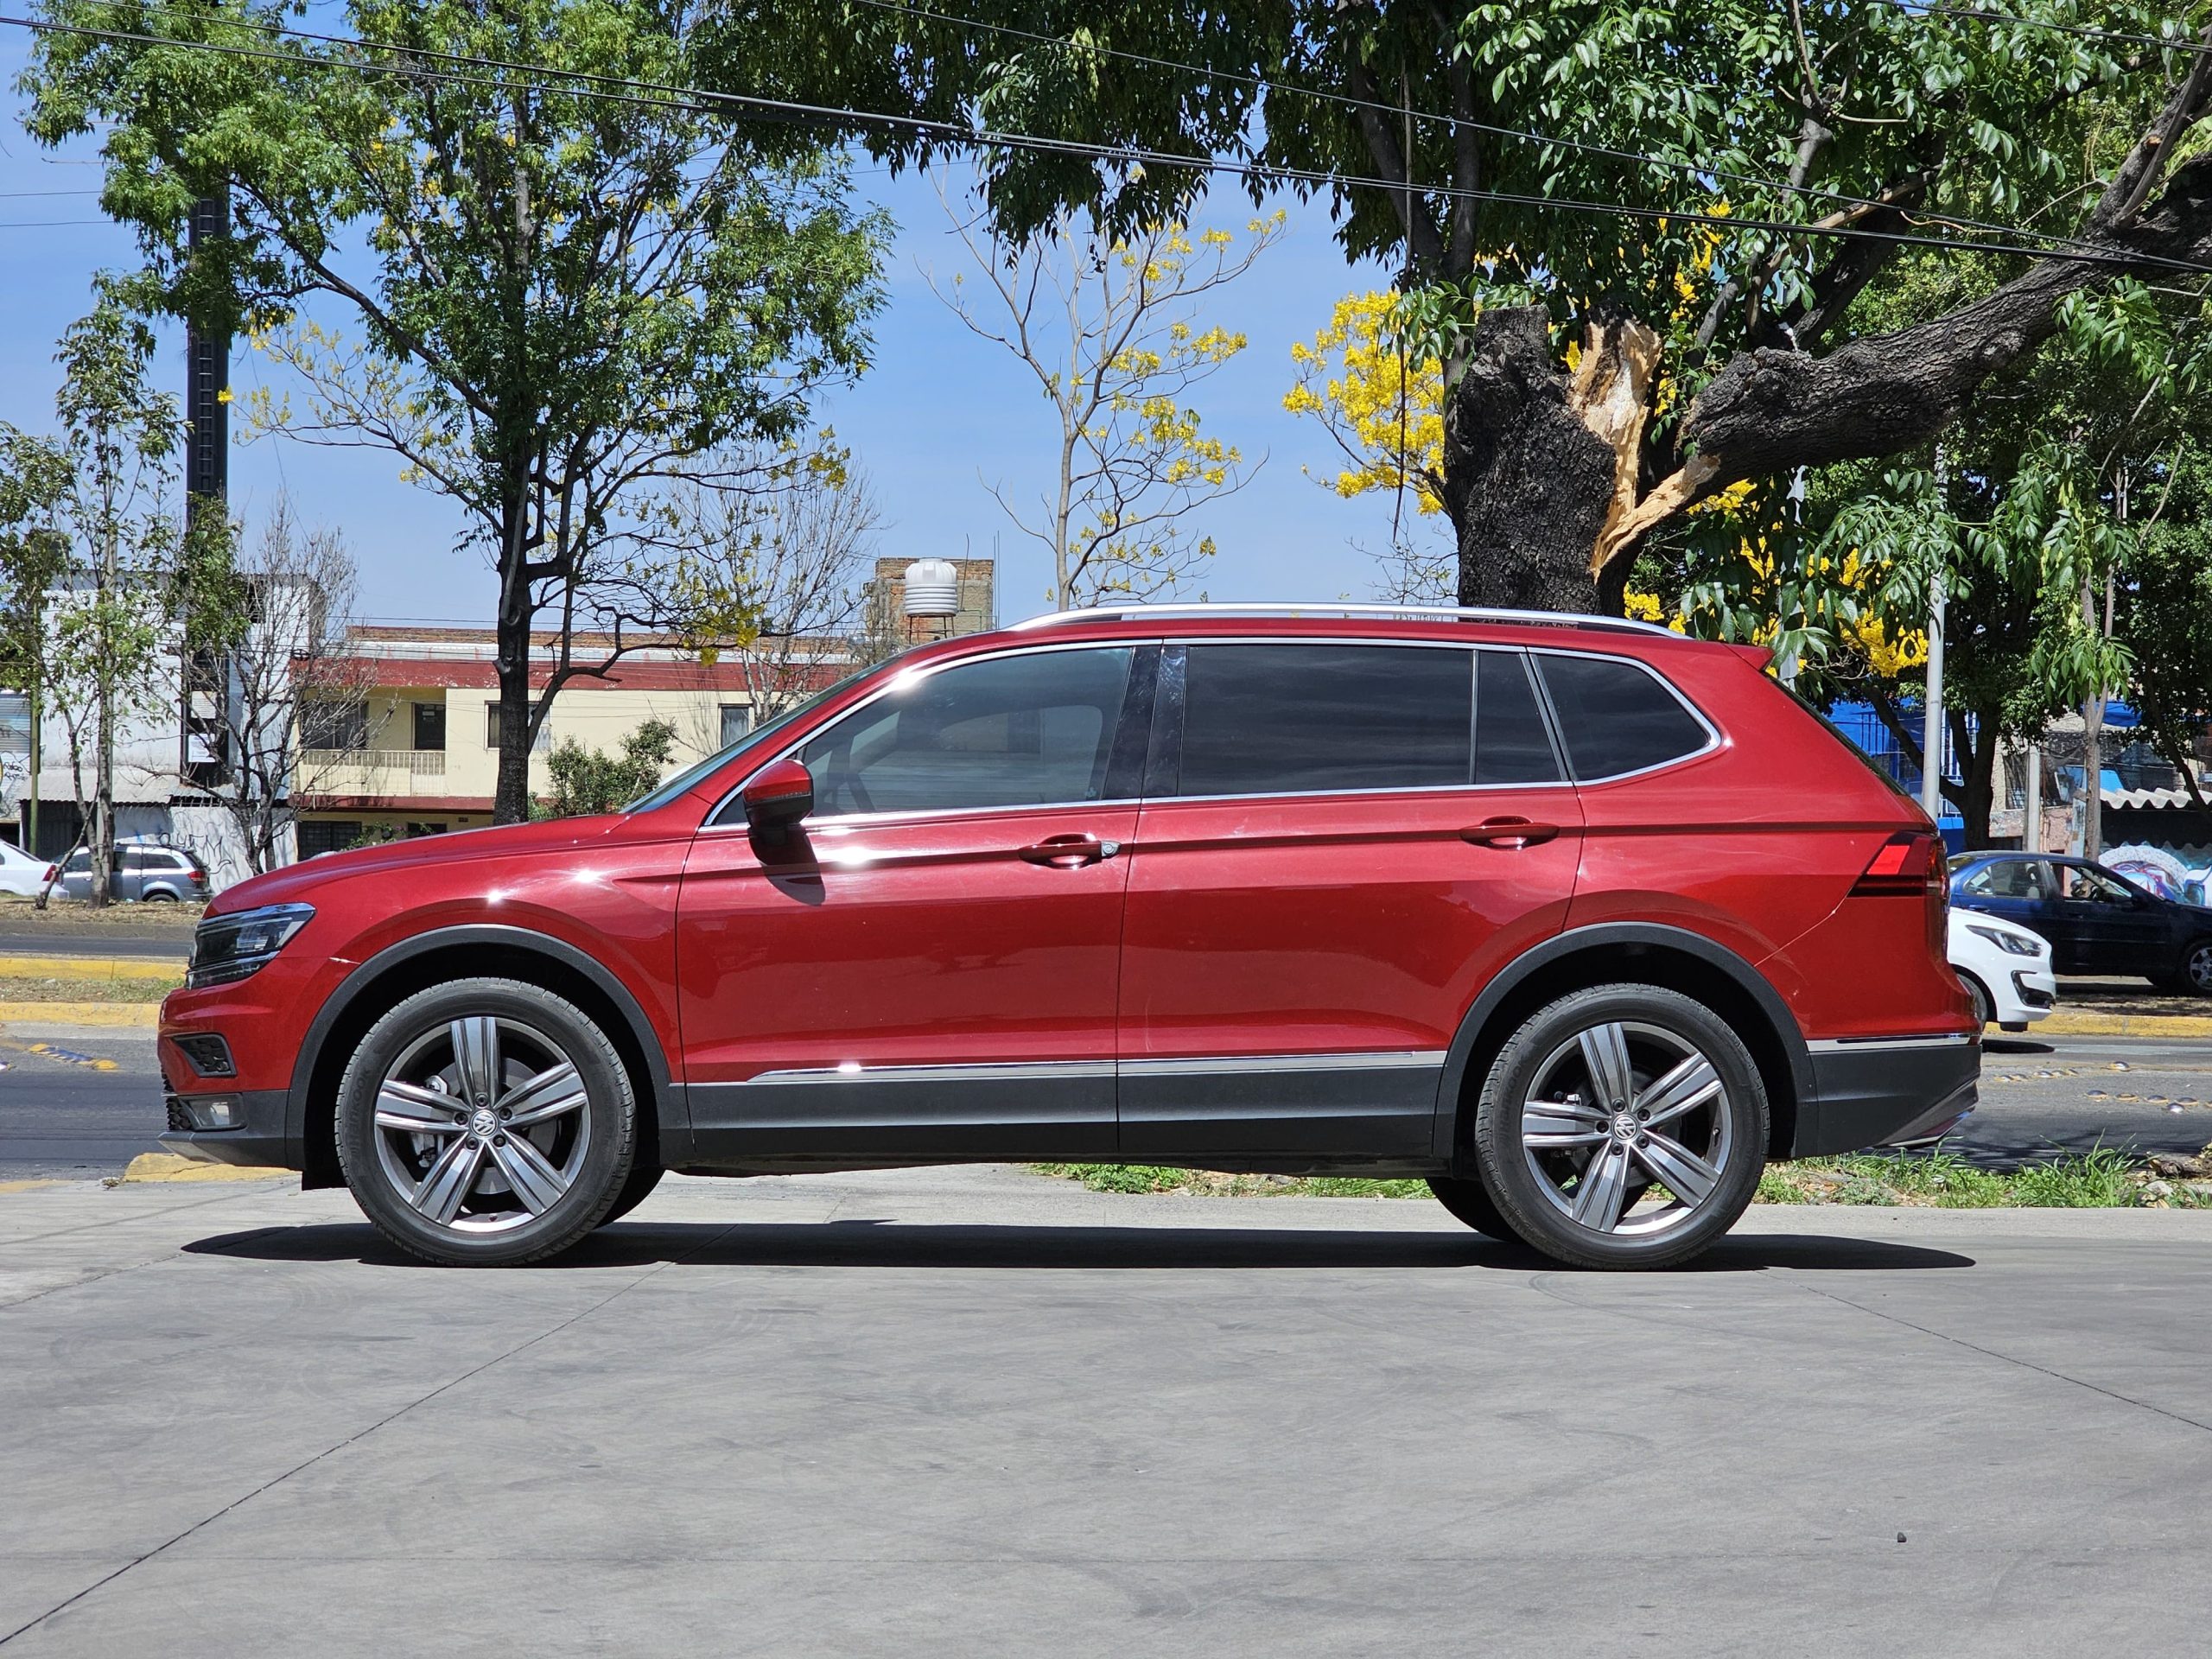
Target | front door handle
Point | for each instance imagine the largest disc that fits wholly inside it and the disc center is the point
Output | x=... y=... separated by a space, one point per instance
x=1508 y=832
x=1070 y=852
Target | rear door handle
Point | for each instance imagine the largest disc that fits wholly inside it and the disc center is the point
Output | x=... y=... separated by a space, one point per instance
x=1508 y=832
x=1070 y=852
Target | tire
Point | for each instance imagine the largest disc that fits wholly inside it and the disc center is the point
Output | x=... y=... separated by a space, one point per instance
x=644 y=1177
x=2194 y=973
x=1983 y=1013
x=1601 y=1059
x=158 y=897
x=1465 y=1197
x=466 y=1185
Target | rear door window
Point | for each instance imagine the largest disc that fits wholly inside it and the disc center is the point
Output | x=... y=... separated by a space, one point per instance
x=1308 y=719
x=1616 y=717
x=2011 y=878
x=1512 y=745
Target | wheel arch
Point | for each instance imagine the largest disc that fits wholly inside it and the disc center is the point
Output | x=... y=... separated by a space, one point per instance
x=1645 y=952
x=486 y=950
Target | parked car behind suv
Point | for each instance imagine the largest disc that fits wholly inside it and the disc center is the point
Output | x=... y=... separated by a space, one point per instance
x=20 y=873
x=1579 y=919
x=2097 y=922
x=156 y=874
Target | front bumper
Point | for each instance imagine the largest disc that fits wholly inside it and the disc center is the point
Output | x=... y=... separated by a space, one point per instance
x=262 y=1138
x=2034 y=992
x=1886 y=1092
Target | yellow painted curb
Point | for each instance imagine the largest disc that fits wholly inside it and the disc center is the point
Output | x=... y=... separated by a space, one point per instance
x=92 y=967
x=169 y=1167
x=2064 y=1024
x=26 y=1187
x=140 y=1015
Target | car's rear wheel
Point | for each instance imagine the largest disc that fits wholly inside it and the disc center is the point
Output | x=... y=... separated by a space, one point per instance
x=1465 y=1197
x=486 y=1122
x=1624 y=1126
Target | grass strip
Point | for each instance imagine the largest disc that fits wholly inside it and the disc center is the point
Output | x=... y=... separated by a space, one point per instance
x=14 y=989
x=2101 y=1179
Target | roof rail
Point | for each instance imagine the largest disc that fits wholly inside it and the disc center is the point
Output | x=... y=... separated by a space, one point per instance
x=1333 y=607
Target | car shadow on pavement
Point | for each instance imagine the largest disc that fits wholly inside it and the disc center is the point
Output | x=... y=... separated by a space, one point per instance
x=883 y=1244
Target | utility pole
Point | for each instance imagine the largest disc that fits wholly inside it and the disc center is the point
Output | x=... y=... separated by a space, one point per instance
x=2031 y=808
x=1931 y=731
x=1931 y=734
x=206 y=489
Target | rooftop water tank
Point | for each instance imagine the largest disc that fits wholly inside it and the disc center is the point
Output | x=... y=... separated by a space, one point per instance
x=933 y=588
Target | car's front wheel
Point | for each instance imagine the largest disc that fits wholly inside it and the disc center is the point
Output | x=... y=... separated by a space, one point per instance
x=486 y=1122
x=1624 y=1126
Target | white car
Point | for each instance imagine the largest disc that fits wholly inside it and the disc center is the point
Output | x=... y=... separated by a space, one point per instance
x=21 y=874
x=2005 y=966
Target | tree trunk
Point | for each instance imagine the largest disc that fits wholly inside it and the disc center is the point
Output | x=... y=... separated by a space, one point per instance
x=1976 y=738
x=510 y=795
x=1526 y=483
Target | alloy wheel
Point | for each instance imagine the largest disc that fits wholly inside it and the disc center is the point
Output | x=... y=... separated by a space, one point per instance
x=481 y=1124
x=2200 y=968
x=1626 y=1129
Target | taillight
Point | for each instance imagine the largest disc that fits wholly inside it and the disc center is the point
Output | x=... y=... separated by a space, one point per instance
x=50 y=874
x=1906 y=864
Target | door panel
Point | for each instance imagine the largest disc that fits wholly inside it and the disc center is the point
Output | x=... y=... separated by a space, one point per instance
x=904 y=989
x=927 y=967
x=1293 y=970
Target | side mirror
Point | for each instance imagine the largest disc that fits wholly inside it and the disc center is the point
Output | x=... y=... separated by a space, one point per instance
x=777 y=796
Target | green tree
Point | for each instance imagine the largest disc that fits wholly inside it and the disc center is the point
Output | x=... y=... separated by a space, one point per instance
x=1712 y=343
x=586 y=781
x=97 y=563
x=554 y=301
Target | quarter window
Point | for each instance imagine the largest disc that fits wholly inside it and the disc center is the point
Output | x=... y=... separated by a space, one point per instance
x=1272 y=720
x=1615 y=717
x=1032 y=730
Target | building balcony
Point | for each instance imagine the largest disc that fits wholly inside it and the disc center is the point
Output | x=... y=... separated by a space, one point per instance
x=371 y=772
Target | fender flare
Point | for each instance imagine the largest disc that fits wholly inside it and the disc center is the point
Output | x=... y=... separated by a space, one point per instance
x=1602 y=934
x=673 y=1125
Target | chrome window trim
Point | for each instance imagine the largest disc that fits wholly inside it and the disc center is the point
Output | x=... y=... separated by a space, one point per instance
x=1713 y=738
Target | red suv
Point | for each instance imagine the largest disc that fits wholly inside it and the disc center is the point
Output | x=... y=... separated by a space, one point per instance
x=1579 y=919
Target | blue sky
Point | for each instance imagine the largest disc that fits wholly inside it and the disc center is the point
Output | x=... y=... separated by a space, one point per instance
x=939 y=412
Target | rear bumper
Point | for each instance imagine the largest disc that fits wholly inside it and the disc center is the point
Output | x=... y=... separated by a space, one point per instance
x=1886 y=1091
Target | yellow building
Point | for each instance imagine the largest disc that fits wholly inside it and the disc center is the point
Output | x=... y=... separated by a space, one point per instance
x=413 y=746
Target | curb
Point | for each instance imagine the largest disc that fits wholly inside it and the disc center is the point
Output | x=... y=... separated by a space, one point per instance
x=110 y=967
x=169 y=1167
x=143 y=1016
x=2063 y=1024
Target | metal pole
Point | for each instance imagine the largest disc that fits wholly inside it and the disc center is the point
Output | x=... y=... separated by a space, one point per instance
x=1931 y=740
x=2031 y=808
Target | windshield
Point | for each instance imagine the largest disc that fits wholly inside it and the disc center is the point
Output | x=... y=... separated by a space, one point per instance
x=691 y=775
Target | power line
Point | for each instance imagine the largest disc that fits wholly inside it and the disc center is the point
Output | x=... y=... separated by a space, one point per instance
x=12 y=195
x=2045 y=240
x=2085 y=31
x=698 y=101
x=51 y=224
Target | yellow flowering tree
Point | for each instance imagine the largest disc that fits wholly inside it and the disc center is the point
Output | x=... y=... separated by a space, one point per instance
x=1104 y=323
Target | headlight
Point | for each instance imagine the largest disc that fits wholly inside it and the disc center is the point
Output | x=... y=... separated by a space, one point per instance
x=2010 y=943
x=225 y=948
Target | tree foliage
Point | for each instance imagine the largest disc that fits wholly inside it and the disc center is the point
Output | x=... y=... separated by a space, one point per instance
x=586 y=781
x=547 y=303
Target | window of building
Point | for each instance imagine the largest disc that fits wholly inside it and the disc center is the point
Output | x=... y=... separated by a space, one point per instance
x=737 y=720
x=1271 y=720
x=1616 y=717
x=493 y=727
x=1032 y=729
x=318 y=835
x=333 y=723
x=430 y=726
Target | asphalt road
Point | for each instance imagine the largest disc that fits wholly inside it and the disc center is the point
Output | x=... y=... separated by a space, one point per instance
x=60 y=1117
x=976 y=1411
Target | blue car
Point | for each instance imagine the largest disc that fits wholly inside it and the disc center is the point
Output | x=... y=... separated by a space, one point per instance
x=2097 y=922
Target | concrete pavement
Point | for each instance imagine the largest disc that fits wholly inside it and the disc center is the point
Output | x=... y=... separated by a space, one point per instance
x=976 y=1411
